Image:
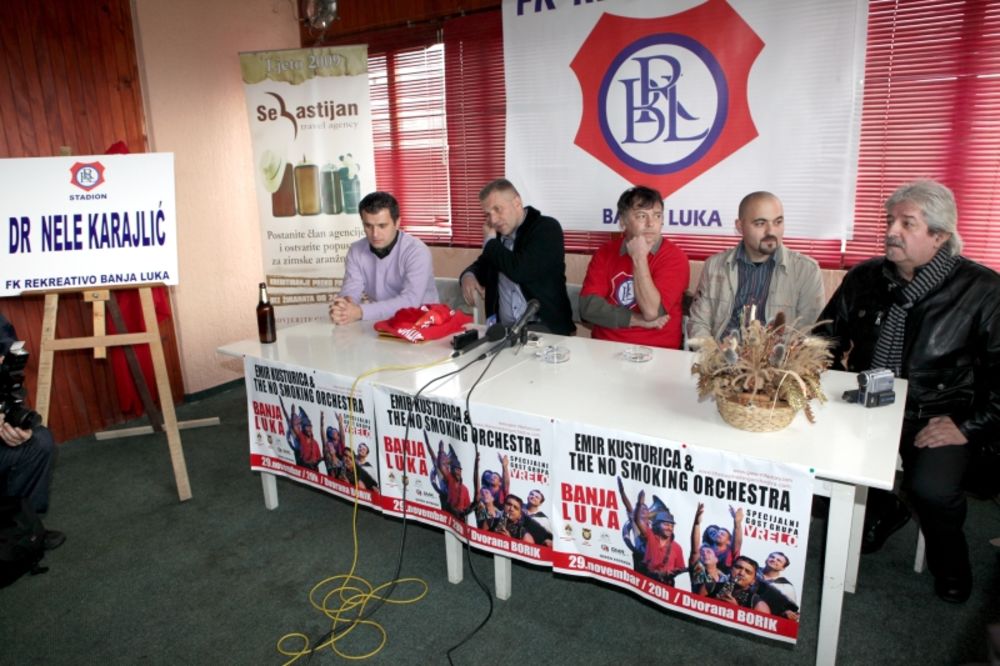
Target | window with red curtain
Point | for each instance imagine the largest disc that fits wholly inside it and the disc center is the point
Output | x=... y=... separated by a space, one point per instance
x=477 y=122
x=409 y=135
x=931 y=109
x=407 y=87
x=477 y=117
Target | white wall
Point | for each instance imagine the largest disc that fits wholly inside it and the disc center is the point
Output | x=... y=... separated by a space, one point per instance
x=188 y=52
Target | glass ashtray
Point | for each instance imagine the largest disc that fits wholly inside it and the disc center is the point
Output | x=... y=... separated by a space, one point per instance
x=637 y=354
x=553 y=354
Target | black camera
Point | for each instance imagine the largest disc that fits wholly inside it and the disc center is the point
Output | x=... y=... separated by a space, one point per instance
x=12 y=392
x=875 y=381
x=874 y=388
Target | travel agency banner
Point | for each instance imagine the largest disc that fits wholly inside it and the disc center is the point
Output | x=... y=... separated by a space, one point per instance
x=87 y=221
x=310 y=123
x=709 y=534
x=485 y=477
x=308 y=426
x=704 y=101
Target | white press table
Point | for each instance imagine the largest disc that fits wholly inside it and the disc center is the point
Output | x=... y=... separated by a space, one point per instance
x=850 y=447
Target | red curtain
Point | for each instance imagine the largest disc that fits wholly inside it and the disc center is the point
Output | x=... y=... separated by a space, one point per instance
x=131 y=309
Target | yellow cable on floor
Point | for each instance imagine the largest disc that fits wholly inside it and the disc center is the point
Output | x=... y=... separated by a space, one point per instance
x=354 y=592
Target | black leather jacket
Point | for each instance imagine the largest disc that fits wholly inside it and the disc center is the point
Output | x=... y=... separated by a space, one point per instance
x=951 y=352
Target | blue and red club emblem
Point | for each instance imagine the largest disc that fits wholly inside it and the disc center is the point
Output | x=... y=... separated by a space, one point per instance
x=87 y=176
x=665 y=99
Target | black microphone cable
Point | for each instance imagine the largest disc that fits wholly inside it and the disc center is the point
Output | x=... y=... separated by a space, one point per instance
x=405 y=479
x=366 y=613
x=468 y=549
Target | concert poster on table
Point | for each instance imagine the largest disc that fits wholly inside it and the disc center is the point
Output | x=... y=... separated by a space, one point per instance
x=707 y=533
x=307 y=426
x=513 y=514
x=486 y=478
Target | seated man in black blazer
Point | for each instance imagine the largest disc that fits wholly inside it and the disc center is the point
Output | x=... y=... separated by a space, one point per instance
x=523 y=258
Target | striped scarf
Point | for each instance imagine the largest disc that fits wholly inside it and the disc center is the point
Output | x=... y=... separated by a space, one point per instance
x=889 y=348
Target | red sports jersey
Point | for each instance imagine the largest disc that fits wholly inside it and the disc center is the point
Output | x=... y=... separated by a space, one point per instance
x=610 y=277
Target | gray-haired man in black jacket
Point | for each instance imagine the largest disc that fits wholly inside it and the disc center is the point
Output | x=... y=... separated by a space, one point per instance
x=933 y=317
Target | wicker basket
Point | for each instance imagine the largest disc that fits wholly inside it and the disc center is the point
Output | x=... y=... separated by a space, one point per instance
x=756 y=413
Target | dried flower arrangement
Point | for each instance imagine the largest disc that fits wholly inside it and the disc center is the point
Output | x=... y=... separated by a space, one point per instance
x=761 y=375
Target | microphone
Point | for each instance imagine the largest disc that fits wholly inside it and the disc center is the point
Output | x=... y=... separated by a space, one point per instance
x=529 y=311
x=494 y=333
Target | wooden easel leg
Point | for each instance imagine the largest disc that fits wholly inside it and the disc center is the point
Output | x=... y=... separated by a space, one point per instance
x=148 y=429
x=47 y=356
x=152 y=411
x=166 y=397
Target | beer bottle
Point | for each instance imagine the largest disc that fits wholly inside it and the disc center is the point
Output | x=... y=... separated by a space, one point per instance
x=265 y=317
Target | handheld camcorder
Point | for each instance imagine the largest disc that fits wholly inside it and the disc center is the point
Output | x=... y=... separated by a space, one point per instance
x=874 y=388
x=12 y=392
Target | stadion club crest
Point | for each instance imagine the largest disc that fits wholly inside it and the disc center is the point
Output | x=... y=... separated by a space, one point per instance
x=665 y=99
x=623 y=287
x=87 y=175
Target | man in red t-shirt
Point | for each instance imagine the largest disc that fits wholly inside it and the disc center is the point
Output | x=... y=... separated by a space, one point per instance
x=309 y=451
x=447 y=481
x=635 y=285
x=649 y=534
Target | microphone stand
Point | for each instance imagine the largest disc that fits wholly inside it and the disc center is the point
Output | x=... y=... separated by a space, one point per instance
x=518 y=340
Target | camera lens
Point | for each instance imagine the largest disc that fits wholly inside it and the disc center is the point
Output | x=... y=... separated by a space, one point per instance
x=19 y=417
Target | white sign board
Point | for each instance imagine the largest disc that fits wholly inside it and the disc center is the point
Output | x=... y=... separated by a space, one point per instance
x=87 y=221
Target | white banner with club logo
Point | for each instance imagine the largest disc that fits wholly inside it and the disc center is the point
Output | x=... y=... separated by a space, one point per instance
x=704 y=101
